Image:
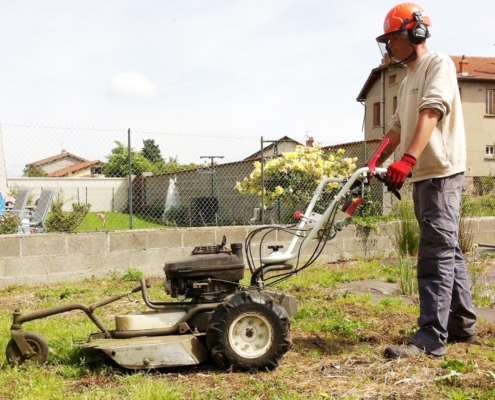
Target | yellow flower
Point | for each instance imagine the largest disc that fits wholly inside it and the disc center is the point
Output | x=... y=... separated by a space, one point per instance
x=279 y=190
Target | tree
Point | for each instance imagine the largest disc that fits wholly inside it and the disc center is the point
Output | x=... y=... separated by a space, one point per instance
x=171 y=166
x=34 y=172
x=151 y=151
x=118 y=162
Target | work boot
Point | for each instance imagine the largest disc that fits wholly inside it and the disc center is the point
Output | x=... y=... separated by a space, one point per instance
x=409 y=350
x=461 y=339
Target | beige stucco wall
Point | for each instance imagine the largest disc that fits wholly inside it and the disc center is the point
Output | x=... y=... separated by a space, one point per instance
x=480 y=128
x=108 y=194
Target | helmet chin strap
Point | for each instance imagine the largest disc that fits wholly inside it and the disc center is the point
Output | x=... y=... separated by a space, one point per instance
x=409 y=58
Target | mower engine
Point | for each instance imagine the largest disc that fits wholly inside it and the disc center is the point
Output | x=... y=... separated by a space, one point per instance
x=210 y=274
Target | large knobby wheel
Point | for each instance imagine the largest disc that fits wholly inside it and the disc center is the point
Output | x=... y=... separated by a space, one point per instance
x=249 y=330
x=38 y=345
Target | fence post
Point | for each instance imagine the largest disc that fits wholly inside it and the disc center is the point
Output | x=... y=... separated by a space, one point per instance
x=130 y=176
x=3 y=169
x=262 y=211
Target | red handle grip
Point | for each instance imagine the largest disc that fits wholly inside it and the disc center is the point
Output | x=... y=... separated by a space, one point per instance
x=371 y=163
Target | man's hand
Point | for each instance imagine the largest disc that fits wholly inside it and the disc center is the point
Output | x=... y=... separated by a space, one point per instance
x=397 y=172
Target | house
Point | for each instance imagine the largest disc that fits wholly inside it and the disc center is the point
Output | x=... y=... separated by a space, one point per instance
x=276 y=147
x=85 y=169
x=476 y=79
x=68 y=165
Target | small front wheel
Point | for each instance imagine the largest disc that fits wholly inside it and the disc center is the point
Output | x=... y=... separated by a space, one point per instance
x=249 y=330
x=39 y=350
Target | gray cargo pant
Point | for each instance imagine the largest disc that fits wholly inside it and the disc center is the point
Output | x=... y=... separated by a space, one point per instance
x=444 y=294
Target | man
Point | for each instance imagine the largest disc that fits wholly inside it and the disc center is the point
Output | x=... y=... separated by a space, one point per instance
x=430 y=125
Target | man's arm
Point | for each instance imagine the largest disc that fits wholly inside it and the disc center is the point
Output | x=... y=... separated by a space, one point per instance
x=428 y=119
x=399 y=170
x=394 y=141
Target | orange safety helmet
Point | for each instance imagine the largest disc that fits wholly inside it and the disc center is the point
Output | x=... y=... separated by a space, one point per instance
x=406 y=17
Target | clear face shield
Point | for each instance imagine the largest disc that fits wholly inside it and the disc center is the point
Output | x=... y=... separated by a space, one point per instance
x=397 y=47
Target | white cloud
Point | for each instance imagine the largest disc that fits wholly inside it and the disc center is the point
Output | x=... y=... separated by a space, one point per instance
x=133 y=85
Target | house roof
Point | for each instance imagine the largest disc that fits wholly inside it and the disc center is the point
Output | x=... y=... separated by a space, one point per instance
x=474 y=68
x=60 y=156
x=73 y=168
x=351 y=144
x=271 y=146
x=372 y=78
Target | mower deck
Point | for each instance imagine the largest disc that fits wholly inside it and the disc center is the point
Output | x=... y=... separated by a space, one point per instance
x=153 y=352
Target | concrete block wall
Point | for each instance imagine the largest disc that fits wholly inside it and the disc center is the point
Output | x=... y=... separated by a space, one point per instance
x=56 y=257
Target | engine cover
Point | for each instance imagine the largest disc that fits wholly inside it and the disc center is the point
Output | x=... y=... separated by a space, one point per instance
x=209 y=274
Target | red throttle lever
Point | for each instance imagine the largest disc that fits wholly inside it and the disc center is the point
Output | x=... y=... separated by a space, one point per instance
x=372 y=162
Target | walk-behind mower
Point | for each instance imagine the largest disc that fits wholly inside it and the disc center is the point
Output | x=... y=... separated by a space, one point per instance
x=243 y=326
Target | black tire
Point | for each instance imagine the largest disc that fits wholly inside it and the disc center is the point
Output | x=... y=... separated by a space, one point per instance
x=38 y=345
x=249 y=330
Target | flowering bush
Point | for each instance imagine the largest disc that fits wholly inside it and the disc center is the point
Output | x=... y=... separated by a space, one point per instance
x=293 y=177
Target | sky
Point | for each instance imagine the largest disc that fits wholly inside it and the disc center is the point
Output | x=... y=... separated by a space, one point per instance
x=232 y=68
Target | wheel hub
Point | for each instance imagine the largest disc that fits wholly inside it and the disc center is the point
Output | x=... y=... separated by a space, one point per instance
x=251 y=335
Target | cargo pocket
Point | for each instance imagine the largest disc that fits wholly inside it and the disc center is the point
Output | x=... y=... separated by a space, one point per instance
x=428 y=267
x=438 y=238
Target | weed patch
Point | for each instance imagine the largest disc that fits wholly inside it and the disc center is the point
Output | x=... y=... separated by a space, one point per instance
x=338 y=340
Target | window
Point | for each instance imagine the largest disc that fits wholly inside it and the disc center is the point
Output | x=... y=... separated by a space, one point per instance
x=98 y=170
x=490 y=108
x=392 y=79
x=489 y=151
x=394 y=104
x=376 y=114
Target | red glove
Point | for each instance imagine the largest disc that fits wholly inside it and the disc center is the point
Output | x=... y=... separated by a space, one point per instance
x=398 y=171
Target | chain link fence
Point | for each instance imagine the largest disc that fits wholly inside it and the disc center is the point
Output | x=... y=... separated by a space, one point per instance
x=177 y=179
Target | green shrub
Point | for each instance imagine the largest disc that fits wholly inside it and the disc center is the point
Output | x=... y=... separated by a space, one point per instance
x=60 y=221
x=484 y=184
x=478 y=206
x=466 y=234
x=406 y=239
x=9 y=224
x=406 y=276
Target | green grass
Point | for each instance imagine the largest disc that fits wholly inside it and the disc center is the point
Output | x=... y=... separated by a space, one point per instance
x=338 y=339
x=115 y=221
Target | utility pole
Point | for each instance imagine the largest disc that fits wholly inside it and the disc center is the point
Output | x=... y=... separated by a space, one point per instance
x=212 y=158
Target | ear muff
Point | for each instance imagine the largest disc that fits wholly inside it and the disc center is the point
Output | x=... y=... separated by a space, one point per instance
x=419 y=33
